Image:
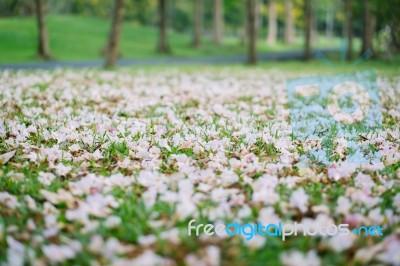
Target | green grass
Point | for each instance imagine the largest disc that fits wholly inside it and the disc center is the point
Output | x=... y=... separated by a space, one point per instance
x=82 y=38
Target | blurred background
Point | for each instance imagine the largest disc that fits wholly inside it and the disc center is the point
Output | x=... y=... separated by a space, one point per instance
x=33 y=30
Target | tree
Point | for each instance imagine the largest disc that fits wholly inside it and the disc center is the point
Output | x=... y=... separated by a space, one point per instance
x=272 y=22
x=245 y=30
x=112 y=47
x=369 y=23
x=43 y=44
x=234 y=18
x=251 y=31
x=307 y=29
x=198 y=23
x=163 y=46
x=218 y=21
x=387 y=15
x=289 y=22
x=349 y=28
x=330 y=19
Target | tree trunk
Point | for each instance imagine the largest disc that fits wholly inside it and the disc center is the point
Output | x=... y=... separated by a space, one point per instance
x=369 y=23
x=307 y=29
x=198 y=23
x=252 y=31
x=329 y=21
x=259 y=4
x=349 y=28
x=244 y=31
x=163 y=46
x=314 y=22
x=115 y=33
x=289 y=22
x=272 y=22
x=395 y=33
x=43 y=44
x=218 y=21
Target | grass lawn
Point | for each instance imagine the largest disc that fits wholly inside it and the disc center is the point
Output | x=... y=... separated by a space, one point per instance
x=81 y=38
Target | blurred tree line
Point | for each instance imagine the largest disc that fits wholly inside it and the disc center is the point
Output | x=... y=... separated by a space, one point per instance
x=248 y=20
x=141 y=12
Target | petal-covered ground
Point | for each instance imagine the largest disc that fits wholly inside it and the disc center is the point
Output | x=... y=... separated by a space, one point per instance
x=102 y=168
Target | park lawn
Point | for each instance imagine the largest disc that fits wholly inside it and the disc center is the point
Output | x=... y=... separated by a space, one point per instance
x=82 y=38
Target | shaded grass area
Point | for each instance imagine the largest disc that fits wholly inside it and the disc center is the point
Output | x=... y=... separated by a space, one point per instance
x=82 y=38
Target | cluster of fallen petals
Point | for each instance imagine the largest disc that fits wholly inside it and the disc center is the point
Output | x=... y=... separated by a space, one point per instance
x=106 y=167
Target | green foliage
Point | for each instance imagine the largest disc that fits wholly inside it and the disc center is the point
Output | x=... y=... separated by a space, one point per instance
x=142 y=12
x=233 y=14
x=92 y=7
x=182 y=16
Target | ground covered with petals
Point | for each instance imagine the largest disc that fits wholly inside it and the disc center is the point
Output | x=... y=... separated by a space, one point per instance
x=103 y=168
